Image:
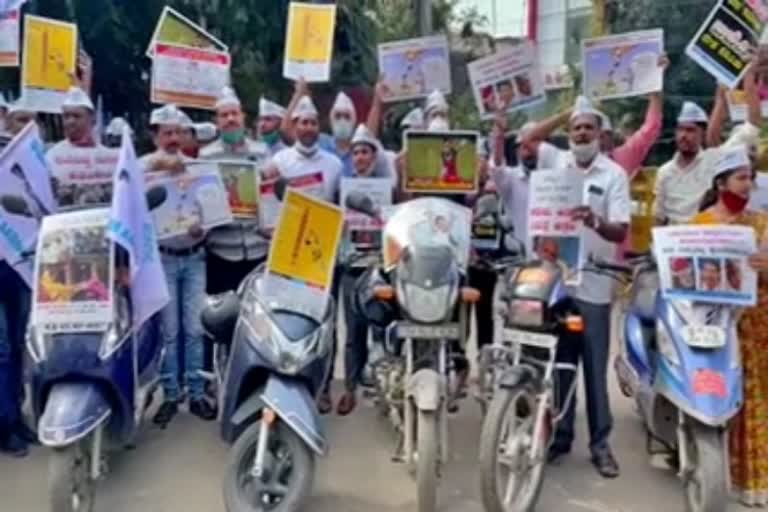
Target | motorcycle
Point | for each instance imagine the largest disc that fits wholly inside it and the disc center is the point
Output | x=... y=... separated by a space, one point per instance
x=680 y=362
x=415 y=295
x=524 y=410
x=270 y=362
x=90 y=382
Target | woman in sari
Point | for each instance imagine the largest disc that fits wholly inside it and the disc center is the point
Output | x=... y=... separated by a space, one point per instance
x=726 y=203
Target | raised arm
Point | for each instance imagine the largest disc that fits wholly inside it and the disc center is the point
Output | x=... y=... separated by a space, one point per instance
x=286 y=127
x=544 y=129
x=377 y=108
x=752 y=91
x=717 y=118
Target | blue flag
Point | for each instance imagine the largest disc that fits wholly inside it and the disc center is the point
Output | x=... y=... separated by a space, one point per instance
x=131 y=227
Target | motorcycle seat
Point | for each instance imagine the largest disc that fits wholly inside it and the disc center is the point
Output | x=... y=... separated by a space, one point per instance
x=219 y=317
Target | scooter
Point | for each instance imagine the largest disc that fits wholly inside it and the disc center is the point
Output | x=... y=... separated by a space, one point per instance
x=270 y=362
x=416 y=294
x=90 y=385
x=680 y=362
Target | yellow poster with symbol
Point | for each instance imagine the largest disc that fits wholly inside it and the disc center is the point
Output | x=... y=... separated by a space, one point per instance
x=309 y=41
x=50 y=58
x=306 y=240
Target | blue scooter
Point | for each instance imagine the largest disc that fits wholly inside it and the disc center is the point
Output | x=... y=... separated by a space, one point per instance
x=680 y=361
x=90 y=384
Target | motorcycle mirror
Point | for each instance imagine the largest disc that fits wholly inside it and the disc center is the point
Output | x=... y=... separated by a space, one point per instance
x=15 y=205
x=156 y=196
x=361 y=203
x=281 y=185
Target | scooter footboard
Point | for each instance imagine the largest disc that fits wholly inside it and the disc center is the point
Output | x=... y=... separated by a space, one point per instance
x=292 y=402
x=73 y=410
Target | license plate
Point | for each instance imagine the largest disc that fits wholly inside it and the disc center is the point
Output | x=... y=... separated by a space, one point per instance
x=704 y=336
x=533 y=339
x=428 y=332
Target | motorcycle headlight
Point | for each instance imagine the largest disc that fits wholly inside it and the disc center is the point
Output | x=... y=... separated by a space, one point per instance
x=289 y=356
x=427 y=305
x=666 y=346
x=526 y=313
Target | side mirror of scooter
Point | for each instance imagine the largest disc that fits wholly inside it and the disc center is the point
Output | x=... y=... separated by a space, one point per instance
x=156 y=196
x=281 y=185
x=361 y=203
x=15 y=205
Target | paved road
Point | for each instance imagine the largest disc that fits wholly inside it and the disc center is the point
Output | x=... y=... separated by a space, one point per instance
x=180 y=470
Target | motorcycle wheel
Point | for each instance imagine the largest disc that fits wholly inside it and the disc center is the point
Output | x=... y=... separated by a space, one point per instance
x=427 y=463
x=288 y=476
x=506 y=443
x=70 y=486
x=706 y=486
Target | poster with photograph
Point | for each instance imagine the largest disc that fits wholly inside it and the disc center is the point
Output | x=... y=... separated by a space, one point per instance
x=83 y=175
x=241 y=184
x=74 y=281
x=173 y=28
x=441 y=162
x=49 y=62
x=707 y=263
x=311 y=184
x=623 y=65
x=194 y=198
x=737 y=104
x=557 y=78
x=188 y=77
x=413 y=68
x=302 y=255
x=553 y=234
x=309 y=41
x=365 y=232
x=727 y=40
x=9 y=38
x=507 y=80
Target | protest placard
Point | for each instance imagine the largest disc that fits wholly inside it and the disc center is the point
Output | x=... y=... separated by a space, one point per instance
x=365 y=232
x=707 y=263
x=737 y=104
x=727 y=41
x=9 y=38
x=241 y=184
x=557 y=78
x=74 y=279
x=414 y=68
x=49 y=62
x=758 y=198
x=270 y=206
x=24 y=175
x=623 y=65
x=83 y=174
x=175 y=29
x=552 y=232
x=508 y=80
x=441 y=162
x=303 y=253
x=188 y=77
x=309 y=41
x=196 y=197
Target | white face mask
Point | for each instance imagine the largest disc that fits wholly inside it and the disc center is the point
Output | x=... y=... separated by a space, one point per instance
x=342 y=129
x=585 y=153
x=306 y=151
x=438 y=124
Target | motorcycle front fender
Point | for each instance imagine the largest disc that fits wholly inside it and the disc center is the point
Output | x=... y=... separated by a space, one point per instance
x=72 y=411
x=426 y=388
x=294 y=405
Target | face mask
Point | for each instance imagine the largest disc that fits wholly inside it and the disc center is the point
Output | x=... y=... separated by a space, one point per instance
x=233 y=138
x=584 y=153
x=342 y=129
x=734 y=203
x=271 y=138
x=438 y=124
x=306 y=150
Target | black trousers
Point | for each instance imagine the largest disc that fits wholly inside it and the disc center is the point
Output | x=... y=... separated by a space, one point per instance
x=224 y=275
x=484 y=280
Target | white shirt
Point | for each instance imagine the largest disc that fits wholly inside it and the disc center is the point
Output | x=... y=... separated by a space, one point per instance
x=84 y=174
x=512 y=185
x=291 y=164
x=606 y=191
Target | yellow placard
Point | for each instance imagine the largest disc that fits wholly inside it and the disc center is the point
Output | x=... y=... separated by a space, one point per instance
x=306 y=240
x=310 y=32
x=50 y=54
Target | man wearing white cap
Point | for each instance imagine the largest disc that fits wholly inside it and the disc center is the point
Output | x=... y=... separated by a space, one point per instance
x=183 y=259
x=605 y=216
x=681 y=182
x=268 y=125
x=236 y=249
x=436 y=113
x=82 y=167
x=114 y=132
x=413 y=120
x=307 y=162
x=19 y=115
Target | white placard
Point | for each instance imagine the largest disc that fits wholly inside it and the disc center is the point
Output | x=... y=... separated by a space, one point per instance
x=364 y=231
x=9 y=38
x=415 y=67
